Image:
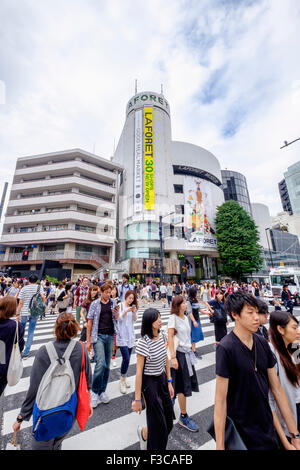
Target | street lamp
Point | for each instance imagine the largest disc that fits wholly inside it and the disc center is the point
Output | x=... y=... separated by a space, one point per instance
x=286 y=143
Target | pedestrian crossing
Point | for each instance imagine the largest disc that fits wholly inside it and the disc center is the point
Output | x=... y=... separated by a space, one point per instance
x=113 y=426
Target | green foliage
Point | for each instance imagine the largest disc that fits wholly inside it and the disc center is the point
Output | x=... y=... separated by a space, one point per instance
x=52 y=279
x=237 y=237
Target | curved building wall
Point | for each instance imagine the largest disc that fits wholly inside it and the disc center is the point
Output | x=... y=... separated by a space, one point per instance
x=235 y=188
x=186 y=190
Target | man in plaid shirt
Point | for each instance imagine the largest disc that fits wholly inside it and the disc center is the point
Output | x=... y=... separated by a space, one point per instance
x=80 y=297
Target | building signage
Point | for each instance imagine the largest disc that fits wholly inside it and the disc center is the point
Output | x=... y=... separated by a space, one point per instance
x=138 y=163
x=199 y=213
x=148 y=99
x=149 y=192
x=189 y=170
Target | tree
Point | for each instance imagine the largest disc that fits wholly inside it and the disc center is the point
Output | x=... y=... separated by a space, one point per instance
x=237 y=237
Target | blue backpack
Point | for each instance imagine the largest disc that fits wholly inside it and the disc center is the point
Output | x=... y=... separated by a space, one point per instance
x=54 y=409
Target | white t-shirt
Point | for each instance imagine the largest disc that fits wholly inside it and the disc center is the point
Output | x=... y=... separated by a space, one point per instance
x=125 y=335
x=182 y=325
x=163 y=289
x=26 y=294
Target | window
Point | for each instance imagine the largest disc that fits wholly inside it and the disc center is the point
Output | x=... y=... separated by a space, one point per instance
x=179 y=209
x=85 y=228
x=178 y=188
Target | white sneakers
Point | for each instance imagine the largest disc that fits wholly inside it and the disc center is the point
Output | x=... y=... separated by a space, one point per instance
x=143 y=443
x=123 y=388
x=95 y=399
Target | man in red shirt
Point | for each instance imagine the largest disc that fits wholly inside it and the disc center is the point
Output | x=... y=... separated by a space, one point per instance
x=80 y=296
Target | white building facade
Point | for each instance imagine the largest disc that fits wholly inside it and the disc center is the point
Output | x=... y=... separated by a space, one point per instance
x=62 y=207
x=175 y=181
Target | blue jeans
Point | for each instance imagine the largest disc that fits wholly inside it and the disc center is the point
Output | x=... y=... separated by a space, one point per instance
x=169 y=299
x=126 y=353
x=30 y=333
x=103 y=352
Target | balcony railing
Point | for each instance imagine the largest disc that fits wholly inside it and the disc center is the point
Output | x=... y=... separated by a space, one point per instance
x=57 y=255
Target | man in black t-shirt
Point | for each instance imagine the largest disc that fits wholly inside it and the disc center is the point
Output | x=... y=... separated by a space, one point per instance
x=245 y=372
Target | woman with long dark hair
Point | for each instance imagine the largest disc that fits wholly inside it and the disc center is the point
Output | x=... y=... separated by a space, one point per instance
x=125 y=335
x=218 y=315
x=193 y=313
x=283 y=332
x=182 y=360
x=153 y=380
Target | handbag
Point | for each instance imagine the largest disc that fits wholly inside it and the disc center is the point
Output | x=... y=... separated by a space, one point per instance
x=15 y=366
x=233 y=440
x=218 y=316
x=176 y=342
x=83 y=397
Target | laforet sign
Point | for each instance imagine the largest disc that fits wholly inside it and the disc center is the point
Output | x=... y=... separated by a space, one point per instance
x=144 y=155
x=147 y=99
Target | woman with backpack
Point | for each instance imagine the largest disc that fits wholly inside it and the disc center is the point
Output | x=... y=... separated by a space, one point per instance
x=69 y=354
x=284 y=332
x=153 y=384
x=8 y=307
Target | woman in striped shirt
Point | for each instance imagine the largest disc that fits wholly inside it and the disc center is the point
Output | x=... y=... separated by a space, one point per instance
x=153 y=380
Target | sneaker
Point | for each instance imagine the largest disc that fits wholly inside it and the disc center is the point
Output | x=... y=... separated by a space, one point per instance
x=143 y=443
x=25 y=355
x=95 y=400
x=104 y=398
x=127 y=384
x=188 y=423
x=114 y=363
x=123 y=388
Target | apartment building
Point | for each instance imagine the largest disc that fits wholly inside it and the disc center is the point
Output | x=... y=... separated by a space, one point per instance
x=62 y=207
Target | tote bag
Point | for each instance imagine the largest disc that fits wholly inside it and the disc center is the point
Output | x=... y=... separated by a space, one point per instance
x=83 y=397
x=15 y=366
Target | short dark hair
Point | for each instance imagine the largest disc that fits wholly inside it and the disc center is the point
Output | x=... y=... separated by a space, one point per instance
x=33 y=278
x=236 y=301
x=285 y=285
x=263 y=307
x=126 y=275
x=150 y=315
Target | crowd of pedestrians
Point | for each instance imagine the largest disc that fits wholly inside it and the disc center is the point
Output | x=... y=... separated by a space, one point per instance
x=257 y=376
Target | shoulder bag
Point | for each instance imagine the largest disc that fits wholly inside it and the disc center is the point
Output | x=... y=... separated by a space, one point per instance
x=15 y=366
x=83 y=396
x=233 y=440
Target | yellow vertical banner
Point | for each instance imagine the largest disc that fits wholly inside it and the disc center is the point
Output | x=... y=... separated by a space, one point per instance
x=149 y=193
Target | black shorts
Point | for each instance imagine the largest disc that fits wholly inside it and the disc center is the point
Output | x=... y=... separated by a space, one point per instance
x=163 y=296
x=182 y=382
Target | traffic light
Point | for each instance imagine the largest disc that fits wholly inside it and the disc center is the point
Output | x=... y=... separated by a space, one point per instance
x=144 y=264
x=25 y=255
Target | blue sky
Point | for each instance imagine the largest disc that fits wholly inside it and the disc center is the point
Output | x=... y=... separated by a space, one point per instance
x=230 y=71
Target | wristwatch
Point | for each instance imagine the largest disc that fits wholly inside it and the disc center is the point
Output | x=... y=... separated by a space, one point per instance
x=295 y=436
x=19 y=419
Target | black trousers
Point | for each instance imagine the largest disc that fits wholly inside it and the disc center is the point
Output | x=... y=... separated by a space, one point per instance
x=3 y=383
x=159 y=411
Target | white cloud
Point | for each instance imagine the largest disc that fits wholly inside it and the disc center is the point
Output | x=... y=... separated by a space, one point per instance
x=69 y=69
